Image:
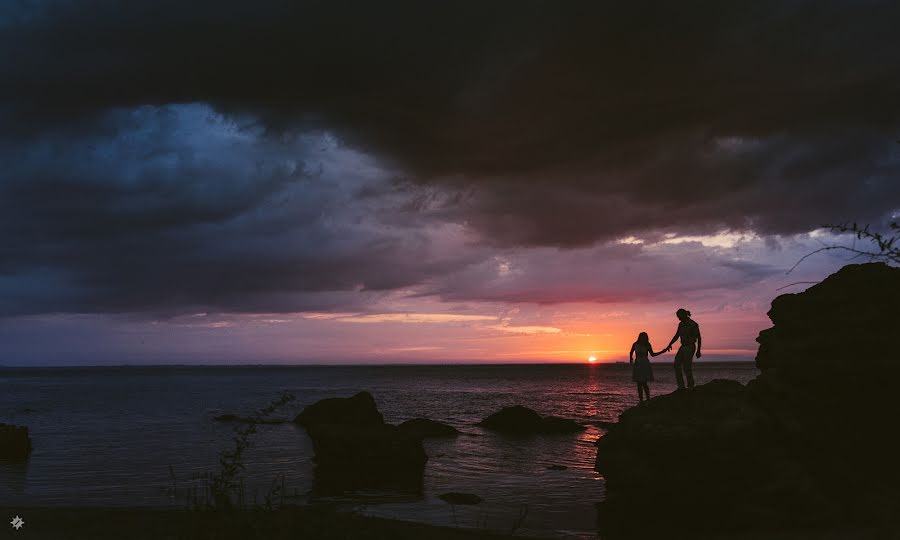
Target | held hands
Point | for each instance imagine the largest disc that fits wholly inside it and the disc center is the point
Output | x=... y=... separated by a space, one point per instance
x=698 y=353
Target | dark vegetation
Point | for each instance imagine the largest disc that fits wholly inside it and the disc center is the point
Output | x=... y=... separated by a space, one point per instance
x=224 y=490
x=881 y=247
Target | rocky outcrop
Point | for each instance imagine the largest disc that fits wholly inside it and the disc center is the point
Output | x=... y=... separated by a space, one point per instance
x=842 y=330
x=519 y=420
x=709 y=448
x=15 y=444
x=355 y=449
x=807 y=443
x=423 y=427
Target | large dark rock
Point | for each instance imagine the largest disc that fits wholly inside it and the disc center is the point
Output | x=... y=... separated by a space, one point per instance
x=708 y=448
x=15 y=444
x=838 y=332
x=358 y=410
x=423 y=427
x=355 y=449
x=350 y=458
x=519 y=420
x=808 y=442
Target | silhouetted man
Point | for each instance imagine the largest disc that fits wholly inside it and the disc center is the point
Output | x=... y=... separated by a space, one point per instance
x=689 y=332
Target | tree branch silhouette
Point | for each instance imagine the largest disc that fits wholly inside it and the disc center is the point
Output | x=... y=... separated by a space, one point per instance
x=886 y=248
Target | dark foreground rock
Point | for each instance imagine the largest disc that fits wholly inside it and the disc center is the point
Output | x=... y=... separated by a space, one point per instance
x=321 y=521
x=15 y=444
x=423 y=427
x=809 y=442
x=519 y=420
x=355 y=449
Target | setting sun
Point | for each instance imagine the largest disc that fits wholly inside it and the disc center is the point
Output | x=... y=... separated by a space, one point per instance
x=592 y=358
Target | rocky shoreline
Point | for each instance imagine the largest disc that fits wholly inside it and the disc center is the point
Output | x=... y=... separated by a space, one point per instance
x=808 y=443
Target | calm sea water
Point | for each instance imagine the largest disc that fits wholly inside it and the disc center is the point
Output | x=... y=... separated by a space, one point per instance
x=108 y=436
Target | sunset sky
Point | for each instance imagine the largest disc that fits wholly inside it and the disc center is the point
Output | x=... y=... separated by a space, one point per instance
x=359 y=182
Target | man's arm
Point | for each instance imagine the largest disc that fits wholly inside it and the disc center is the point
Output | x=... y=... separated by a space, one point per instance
x=699 y=341
x=674 y=339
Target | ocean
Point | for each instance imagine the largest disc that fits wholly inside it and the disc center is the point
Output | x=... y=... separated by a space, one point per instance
x=126 y=436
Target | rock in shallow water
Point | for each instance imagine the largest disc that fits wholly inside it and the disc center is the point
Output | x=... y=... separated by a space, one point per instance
x=15 y=443
x=350 y=458
x=358 y=410
x=519 y=420
x=355 y=449
x=423 y=427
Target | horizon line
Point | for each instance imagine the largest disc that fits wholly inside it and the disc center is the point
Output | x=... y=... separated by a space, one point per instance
x=373 y=364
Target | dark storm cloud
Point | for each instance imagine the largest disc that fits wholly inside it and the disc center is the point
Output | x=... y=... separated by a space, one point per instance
x=621 y=117
x=177 y=208
x=533 y=123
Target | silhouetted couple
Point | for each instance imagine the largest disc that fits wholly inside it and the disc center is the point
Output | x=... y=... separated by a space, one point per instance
x=642 y=373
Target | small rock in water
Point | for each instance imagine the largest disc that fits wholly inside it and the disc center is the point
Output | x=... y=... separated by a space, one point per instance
x=15 y=444
x=519 y=420
x=557 y=467
x=460 y=498
x=423 y=427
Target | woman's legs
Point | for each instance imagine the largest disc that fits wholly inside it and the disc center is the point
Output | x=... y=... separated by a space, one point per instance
x=640 y=387
x=646 y=389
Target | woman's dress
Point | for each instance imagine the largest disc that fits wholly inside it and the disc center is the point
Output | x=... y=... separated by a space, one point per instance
x=641 y=371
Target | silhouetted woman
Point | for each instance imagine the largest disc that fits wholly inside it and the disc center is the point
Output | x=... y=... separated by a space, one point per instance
x=641 y=372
